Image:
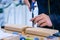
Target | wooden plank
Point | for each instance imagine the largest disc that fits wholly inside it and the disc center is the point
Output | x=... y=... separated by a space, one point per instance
x=41 y=31
x=16 y=28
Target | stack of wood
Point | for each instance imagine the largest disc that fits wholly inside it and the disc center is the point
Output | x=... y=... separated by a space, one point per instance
x=41 y=33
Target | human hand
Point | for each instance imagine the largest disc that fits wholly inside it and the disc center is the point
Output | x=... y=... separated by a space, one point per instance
x=42 y=20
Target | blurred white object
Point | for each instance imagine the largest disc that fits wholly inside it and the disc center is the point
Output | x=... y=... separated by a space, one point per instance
x=19 y=15
x=3 y=4
x=1 y=31
x=16 y=1
x=1 y=15
x=7 y=36
x=35 y=9
x=6 y=3
x=28 y=16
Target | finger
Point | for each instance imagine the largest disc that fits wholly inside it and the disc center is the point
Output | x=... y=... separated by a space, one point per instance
x=33 y=18
x=38 y=19
x=41 y=22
